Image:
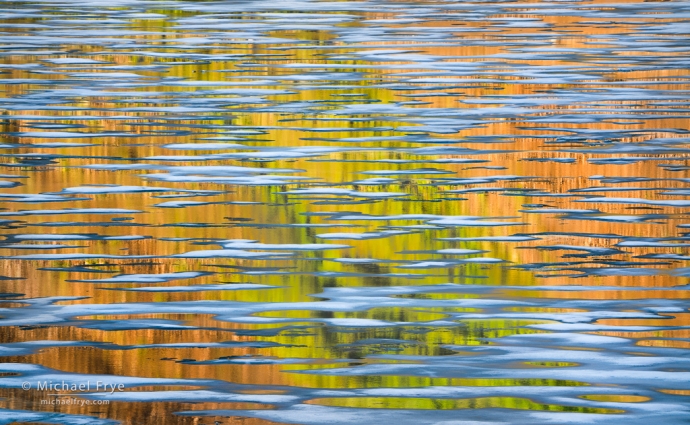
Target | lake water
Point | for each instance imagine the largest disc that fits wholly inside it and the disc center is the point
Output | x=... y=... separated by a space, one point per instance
x=345 y=212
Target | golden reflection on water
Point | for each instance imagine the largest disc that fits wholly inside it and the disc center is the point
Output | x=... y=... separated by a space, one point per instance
x=478 y=403
x=291 y=128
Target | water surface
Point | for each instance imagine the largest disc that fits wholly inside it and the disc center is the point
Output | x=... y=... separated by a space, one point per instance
x=322 y=212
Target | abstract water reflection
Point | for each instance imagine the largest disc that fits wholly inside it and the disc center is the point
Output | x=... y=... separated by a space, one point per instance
x=320 y=212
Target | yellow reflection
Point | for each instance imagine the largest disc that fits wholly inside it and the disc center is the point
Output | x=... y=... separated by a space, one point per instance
x=613 y=398
x=450 y=404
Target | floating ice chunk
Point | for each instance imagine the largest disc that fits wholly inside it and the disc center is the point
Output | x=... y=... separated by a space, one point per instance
x=229 y=253
x=493 y=239
x=359 y=323
x=203 y=146
x=482 y=260
x=247 y=244
x=429 y=265
x=623 y=271
x=183 y=204
x=616 y=218
x=375 y=181
x=264 y=180
x=95 y=190
x=592 y=250
x=588 y=327
x=225 y=170
x=11 y=415
x=147 y=278
x=651 y=244
x=71 y=211
x=74 y=61
x=669 y=203
x=357 y=260
x=191 y=397
x=361 y=236
x=459 y=222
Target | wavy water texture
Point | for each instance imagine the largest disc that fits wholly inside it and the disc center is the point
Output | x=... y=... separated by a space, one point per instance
x=345 y=212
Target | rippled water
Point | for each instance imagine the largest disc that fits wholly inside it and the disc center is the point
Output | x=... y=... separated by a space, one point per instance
x=314 y=212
